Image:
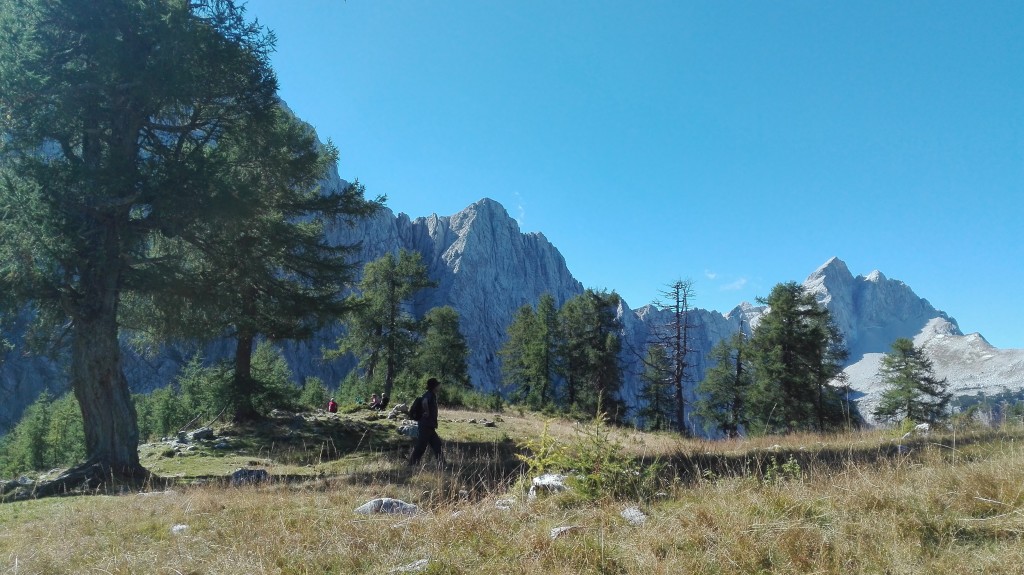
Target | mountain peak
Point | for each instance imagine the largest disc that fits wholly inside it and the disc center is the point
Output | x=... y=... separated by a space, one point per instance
x=830 y=281
x=875 y=277
x=833 y=267
x=487 y=205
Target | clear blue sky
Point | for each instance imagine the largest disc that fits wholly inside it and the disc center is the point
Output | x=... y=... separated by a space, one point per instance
x=737 y=144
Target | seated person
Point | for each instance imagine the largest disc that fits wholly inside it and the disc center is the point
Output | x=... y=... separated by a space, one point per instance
x=383 y=402
x=374 y=402
x=332 y=406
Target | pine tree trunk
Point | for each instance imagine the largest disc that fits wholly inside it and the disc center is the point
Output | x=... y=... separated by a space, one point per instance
x=111 y=428
x=244 y=387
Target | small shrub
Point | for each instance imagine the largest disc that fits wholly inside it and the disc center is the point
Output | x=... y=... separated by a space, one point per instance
x=595 y=462
x=544 y=453
x=906 y=426
x=776 y=473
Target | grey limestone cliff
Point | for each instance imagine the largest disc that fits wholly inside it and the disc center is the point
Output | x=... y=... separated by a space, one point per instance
x=485 y=267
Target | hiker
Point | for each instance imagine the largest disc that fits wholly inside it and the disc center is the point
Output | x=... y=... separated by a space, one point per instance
x=384 y=399
x=428 y=425
x=332 y=406
x=374 y=402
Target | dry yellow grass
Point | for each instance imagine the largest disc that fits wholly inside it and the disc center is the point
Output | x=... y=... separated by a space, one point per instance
x=854 y=505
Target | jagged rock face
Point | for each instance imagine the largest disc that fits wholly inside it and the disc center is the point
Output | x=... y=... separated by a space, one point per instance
x=871 y=311
x=485 y=267
x=492 y=270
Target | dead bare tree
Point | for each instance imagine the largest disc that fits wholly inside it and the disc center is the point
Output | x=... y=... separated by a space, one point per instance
x=674 y=337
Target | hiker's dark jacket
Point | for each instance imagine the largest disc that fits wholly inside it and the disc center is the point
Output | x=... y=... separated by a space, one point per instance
x=429 y=418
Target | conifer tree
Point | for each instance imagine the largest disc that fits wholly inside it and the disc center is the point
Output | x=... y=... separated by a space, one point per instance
x=723 y=392
x=268 y=271
x=589 y=353
x=675 y=338
x=442 y=351
x=529 y=355
x=381 y=331
x=516 y=365
x=109 y=112
x=797 y=356
x=657 y=390
x=912 y=390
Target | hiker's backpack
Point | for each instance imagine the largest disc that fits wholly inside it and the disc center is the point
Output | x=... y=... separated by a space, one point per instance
x=416 y=409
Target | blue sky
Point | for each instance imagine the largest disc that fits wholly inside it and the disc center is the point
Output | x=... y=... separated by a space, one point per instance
x=737 y=144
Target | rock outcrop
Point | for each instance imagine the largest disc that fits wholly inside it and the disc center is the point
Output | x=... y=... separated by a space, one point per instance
x=486 y=269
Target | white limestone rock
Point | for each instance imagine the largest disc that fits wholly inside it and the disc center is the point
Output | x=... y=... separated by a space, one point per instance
x=387 y=505
x=634 y=516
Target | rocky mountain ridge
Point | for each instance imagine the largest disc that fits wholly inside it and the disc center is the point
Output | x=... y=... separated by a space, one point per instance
x=486 y=268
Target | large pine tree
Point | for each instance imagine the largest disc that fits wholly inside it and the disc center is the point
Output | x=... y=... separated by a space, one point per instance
x=912 y=390
x=529 y=355
x=798 y=355
x=589 y=353
x=108 y=112
x=442 y=351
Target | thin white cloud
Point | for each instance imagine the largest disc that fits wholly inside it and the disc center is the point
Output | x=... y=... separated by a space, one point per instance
x=710 y=275
x=520 y=210
x=735 y=286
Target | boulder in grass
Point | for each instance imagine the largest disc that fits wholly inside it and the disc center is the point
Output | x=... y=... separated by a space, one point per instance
x=201 y=434
x=400 y=410
x=559 y=531
x=409 y=429
x=634 y=516
x=245 y=476
x=387 y=505
x=547 y=483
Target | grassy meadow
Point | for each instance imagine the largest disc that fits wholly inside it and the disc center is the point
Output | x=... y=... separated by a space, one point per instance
x=858 y=503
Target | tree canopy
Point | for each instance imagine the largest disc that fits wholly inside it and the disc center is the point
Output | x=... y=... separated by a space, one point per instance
x=911 y=389
x=268 y=271
x=381 y=331
x=798 y=355
x=110 y=112
x=726 y=384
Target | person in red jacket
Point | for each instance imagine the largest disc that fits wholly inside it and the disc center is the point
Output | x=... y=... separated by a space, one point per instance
x=332 y=406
